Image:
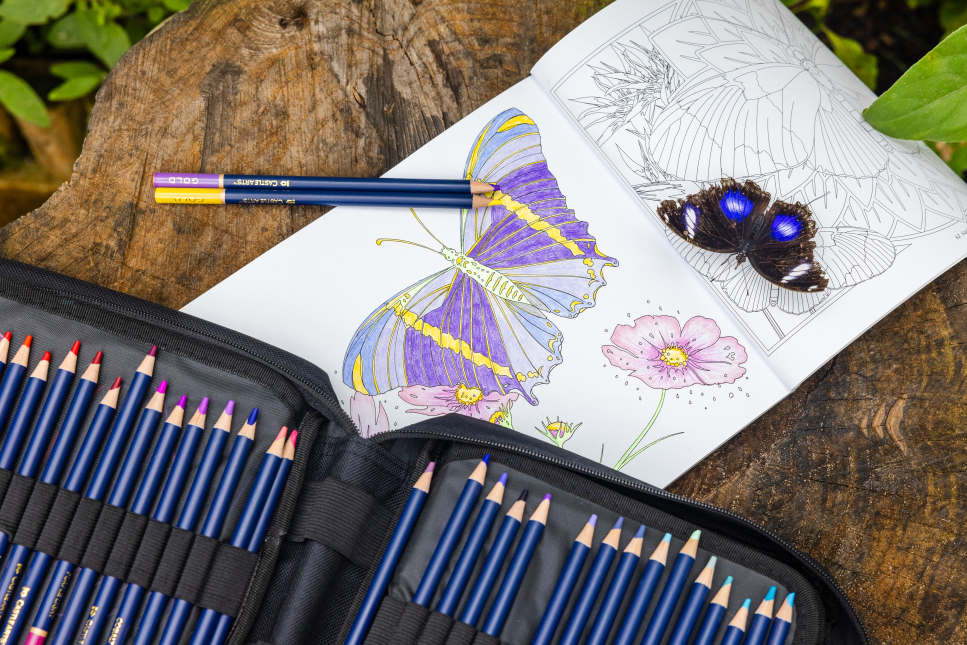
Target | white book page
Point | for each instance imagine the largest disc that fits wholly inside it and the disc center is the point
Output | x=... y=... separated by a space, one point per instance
x=679 y=94
x=314 y=292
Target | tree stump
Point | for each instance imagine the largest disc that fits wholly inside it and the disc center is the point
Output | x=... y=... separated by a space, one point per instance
x=861 y=467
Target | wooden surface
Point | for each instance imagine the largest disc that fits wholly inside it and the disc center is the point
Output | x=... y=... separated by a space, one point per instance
x=862 y=466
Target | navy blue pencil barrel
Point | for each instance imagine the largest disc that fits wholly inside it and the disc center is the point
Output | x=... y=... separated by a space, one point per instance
x=451 y=534
x=782 y=622
x=616 y=592
x=12 y=378
x=693 y=605
x=669 y=595
x=565 y=584
x=592 y=585
x=373 y=184
x=391 y=557
x=507 y=593
x=756 y=634
x=471 y=549
x=735 y=632
x=24 y=414
x=713 y=617
x=642 y=598
x=296 y=197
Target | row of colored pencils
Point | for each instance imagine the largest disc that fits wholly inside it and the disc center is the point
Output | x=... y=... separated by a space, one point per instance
x=763 y=629
x=24 y=571
x=197 y=188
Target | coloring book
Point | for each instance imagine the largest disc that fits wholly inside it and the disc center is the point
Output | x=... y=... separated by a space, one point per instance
x=691 y=216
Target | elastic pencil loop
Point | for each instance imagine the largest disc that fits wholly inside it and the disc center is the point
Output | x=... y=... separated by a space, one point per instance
x=126 y=546
x=436 y=629
x=228 y=578
x=150 y=551
x=74 y=545
x=15 y=501
x=36 y=514
x=410 y=625
x=103 y=537
x=58 y=522
x=5 y=477
x=195 y=569
x=461 y=634
x=384 y=624
x=172 y=561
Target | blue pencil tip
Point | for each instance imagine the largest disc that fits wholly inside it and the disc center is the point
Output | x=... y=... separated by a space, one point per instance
x=728 y=581
x=667 y=538
x=747 y=604
x=641 y=531
x=252 y=417
x=503 y=479
x=771 y=595
x=791 y=598
x=619 y=523
x=486 y=459
x=593 y=520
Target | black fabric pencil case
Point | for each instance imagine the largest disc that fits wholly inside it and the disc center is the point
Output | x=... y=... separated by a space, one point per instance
x=345 y=493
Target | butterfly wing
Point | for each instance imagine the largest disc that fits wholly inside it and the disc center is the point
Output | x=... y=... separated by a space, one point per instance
x=852 y=255
x=783 y=250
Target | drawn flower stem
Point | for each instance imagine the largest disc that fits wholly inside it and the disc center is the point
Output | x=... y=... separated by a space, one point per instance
x=629 y=453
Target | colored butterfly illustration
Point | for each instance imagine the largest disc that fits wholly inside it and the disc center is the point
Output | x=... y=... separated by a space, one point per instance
x=483 y=321
x=764 y=256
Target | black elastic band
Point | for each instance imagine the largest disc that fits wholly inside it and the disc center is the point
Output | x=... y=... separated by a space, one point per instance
x=343 y=517
x=149 y=553
x=14 y=502
x=5 y=477
x=196 y=567
x=102 y=539
x=82 y=524
x=35 y=516
x=173 y=561
x=126 y=546
x=384 y=624
x=227 y=580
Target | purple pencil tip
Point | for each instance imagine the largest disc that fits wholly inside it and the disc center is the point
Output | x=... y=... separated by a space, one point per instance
x=230 y=407
x=163 y=386
x=431 y=467
x=641 y=531
x=253 y=416
x=547 y=497
x=203 y=406
x=153 y=351
x=183 y=401
x=503 y=479
x=593 y=521
x=486 y=459
x=619 y=523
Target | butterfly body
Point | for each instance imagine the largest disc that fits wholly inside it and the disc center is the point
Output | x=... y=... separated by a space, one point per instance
x=490 y=279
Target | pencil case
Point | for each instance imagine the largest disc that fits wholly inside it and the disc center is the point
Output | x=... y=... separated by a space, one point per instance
x=345 y=493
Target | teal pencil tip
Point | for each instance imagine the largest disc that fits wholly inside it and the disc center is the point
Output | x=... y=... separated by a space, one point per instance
x=641 y=531
x=695 y=535
x=791 y=598
x=771 y=595
x=747 y=604
x=727 y=582
x=667 y=538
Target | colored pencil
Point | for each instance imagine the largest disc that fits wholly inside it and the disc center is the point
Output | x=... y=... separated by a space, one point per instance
x=220 y=635
x=180 y=609
x=294 y=197
x=693 y=605
x=356 y=184
x=592 y=585
x=451 y=534
x=4 y=350
x=673 y=589
x=471 y=548
x=507 y=592
x=495 y=560
x=74 y=611
x=38 y=567
x=782 y=622
x=245 y=528
x=756 y=634
x=98 y=613
x=565 y=584
x=646 y=588
x=391 y=557
x=714 y=615
x=131 y=600
x=736 y=629
x=11 y=380
x=616 y=592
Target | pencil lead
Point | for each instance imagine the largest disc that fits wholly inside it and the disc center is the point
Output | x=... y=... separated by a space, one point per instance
x=203 y=406
x=523 y=496
x=695 y=535
x=281 y=435
x=667 y=538
x=430 y=467
x=76 y=347
x=97 y=358
x=503 y=480
x=116 y=384
x=28 y=340
x=641 y=531
x=547 y=497
x=7 y=336
x=747 y=604
x=619 y=523
x=182 y=402
x=45 y=357
x=728 y=581
x=771 y=595
x=791 y=598
x=153 y=351
x=163 y=387
x=593 y=521
x=711 y=562
x=253 y=416
x=230 y=407
x=486 y=459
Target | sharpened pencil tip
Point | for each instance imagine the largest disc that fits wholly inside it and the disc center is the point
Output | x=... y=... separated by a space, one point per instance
x=153 y=351
x=641 y=531
x=7 y=336
x=747 y=604
x=593 y=520
x=503 y=480
x=183 y=401
x=695 y=535
x=667 y=538
x=97 y=358
x=28 y=340
x=230 y=407
x=430 y=467
x=486 y=459
x=523 y=496
x=547 y=498
x=76 y=347
x=203 y=406
x=771 y=595
x=711 y=562
x=117 y=383
x=253 y=416
x=281 y=435
x=45 y=357
x=163 y=386
x=791 y=598
x=293 y=437
x=728 y=581
x=619 y=523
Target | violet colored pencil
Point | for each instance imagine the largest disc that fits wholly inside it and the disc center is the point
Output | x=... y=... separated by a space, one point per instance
x=359 y=184
x=294 y=197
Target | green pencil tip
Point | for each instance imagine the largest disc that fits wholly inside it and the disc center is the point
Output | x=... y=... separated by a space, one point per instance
x=711 y=562
x=696 y=535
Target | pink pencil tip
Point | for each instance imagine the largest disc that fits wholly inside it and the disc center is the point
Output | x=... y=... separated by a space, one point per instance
x=97 y=358
x=293 y=437
x=203 y=406
x=45 y=357
x=76 y=347
x=182 y=402
x=281 y=434
x=429 y=469
x=163 y=386
x=8 y=335
x=230 y=407
x=153 y=351
x=117 y=383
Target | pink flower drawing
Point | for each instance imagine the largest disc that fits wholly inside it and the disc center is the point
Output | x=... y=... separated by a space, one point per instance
x=664 y=356
x=471 y=401
x=362 y=410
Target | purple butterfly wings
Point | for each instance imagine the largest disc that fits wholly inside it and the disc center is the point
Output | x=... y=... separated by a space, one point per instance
x=484 y=321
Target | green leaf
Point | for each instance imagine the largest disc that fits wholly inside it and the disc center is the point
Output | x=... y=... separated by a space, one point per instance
x=851 y=53
x=75 y=88
x=107 y=41
x=5 y=54
x=21 y=100
x=927 y=102
x=10 y=32
x=33 y=12
x=66 y=33
x=176 y=5
x=76 y=69
x=953 y=16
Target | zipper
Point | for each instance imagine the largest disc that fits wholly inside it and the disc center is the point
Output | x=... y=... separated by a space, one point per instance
x=642 y=487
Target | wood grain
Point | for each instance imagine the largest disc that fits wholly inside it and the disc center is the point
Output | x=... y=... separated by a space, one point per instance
x=862 y=466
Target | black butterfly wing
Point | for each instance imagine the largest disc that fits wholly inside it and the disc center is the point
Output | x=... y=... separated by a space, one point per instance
x=719 y=218
x=784 y=251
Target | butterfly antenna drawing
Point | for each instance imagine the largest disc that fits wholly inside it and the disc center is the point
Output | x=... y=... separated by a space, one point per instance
x=426 y=229
x=390 y=239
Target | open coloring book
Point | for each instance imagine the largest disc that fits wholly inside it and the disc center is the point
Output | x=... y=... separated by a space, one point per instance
x=579 y=309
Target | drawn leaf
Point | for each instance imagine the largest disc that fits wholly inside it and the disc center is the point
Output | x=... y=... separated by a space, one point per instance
x=21 y=100
x=851 y=53
x=928 y=100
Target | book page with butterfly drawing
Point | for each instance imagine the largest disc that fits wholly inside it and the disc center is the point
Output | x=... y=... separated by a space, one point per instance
x=556 y=311
x=678 y=95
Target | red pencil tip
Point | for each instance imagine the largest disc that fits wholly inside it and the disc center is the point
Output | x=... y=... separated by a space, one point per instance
x=46 y=357
x=8 y=336
x=281 y=434
x=117 y=383
x=154 y=351
x=97 y=358
x=28 y=340
x=76 y=347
